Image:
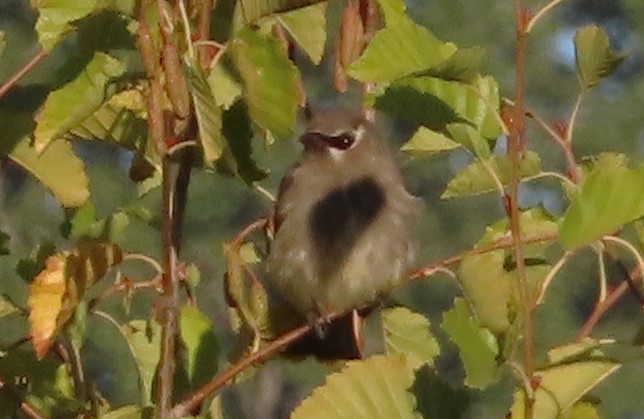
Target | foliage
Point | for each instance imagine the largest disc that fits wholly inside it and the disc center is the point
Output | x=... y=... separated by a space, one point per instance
x=174 y=101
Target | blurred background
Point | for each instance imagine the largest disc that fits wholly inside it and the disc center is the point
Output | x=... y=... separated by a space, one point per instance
x=611 y=118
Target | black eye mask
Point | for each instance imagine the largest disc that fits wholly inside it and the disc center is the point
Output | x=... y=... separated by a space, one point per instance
x=318 y=141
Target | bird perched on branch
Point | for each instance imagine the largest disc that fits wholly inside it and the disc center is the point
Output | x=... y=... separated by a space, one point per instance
x=344 y=226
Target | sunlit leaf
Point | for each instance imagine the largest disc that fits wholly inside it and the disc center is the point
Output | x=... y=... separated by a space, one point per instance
x=57 y=290
x=254 y=9
x=470 y=138
x=208 y=115
x=68 y=106
x=7 y=307
x=144 y=339
x=270 y=80
x=120 y=120
x=428 y=142
x=464 y=65
x=56 y=16
x=477 y=346
x=595 y=58
x=610 y=197
x=374 y=388
x=487 y=285
x=401 y=48
x=307 y=26
x=200 y=343
x=223 y=86
x=582 y=410
x=125 y=412
x=409 y=334
x=561 y=386
x=3 y=43
x=58 y=168
x=476 y=178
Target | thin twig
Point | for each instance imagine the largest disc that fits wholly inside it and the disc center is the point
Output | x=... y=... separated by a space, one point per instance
x=8 y=85
x=504 y=243
x=602 y=307
x=541 y=13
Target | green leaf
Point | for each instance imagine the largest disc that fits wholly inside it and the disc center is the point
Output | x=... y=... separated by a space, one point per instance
x=464 y=65
x=428 y=142
x=237 y=159
x=3 y=42
x=476 y=345
x=374 y=388
x=68 y=106
x=610 y=197
x=582 y=410
x=270 y=80
x=208 y=115
x=470 y=138
x=476 y=179
x=120 y=120
x=223 y=86
x=125 y=412
x=307 y=26
x=255 y=9
x=595 y=58
x=56 y=16
x=403 y=47
x=144 y=339
x=562 y=386
x=489 y=289
x=58 y=168
x=409 y=334
x=200 y=343
x=7 y=307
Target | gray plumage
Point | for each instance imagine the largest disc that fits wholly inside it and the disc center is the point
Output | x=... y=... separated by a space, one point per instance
x=345 y=223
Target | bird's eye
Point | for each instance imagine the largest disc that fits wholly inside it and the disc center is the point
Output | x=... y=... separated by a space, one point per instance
x=341 y=141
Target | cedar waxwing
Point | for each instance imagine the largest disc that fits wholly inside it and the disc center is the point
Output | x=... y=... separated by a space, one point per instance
x=344 y=222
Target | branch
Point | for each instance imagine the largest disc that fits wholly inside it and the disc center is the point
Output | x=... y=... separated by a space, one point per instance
x=504 y=243
x=193 y=401
x=602 y=306
x=8 y=85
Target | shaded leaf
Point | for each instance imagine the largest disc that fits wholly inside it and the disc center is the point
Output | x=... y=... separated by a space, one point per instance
x=7 y=307
x=68 y=106
x=144 y=339
x=610 y=197
x=374 y=388
x=208 y=115
x=476 y=178
x=237 y=159
x=255 y=9
x=307 y=26
x=409 y=334
x=594 y=56
x=270 y=80
x=428 y=142
x=403 y=47
x=477 y=346
x=58 y=289
x=200 y=343
x=3 y=42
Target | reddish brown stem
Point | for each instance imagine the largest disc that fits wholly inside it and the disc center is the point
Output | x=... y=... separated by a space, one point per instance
x=8 y=85
x=603 y=306
x=25 y=407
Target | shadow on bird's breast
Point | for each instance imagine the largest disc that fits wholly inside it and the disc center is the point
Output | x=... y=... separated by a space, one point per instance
x=339 y=219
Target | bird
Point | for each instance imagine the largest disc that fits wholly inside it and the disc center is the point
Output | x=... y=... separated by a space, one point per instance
x=344 y=227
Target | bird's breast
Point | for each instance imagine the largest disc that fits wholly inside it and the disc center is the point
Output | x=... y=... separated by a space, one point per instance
x=340 y=218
